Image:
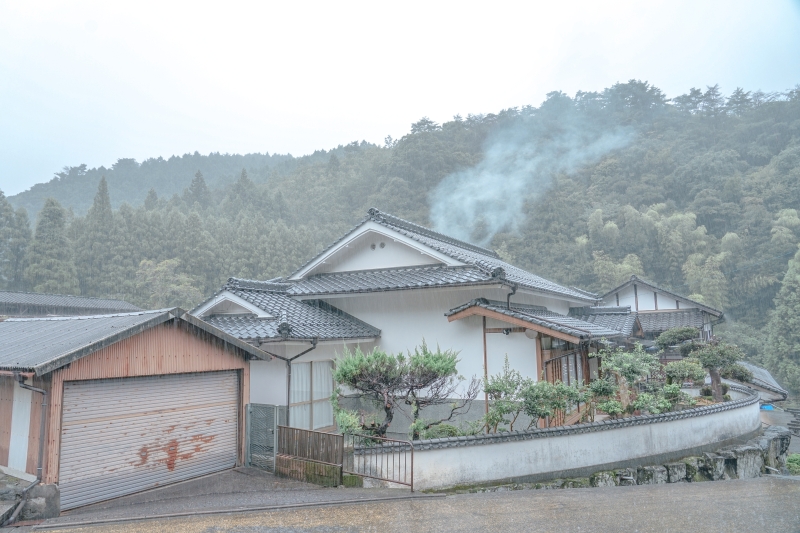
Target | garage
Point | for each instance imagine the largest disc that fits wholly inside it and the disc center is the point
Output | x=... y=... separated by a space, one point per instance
x=164 y=429
x=110 y=405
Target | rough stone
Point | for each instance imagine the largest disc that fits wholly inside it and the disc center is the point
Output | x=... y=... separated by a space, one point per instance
x=627 y=477
x=774 y=445
x=676 y=472
x=577 y=483
x=749 y=461
x=651 y=475
x=713 y=466
x=694 y=469
x=603 y=479
x=43 y=501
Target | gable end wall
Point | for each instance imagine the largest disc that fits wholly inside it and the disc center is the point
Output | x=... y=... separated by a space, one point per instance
x=171 y=348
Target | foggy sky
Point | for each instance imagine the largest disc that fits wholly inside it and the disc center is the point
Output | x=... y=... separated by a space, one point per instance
x=94 y=82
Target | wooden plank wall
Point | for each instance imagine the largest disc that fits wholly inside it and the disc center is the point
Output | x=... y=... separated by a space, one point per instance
x=6 y=406
x=171 y=348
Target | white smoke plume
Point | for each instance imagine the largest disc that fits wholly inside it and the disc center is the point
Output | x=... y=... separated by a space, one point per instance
x=518 y=165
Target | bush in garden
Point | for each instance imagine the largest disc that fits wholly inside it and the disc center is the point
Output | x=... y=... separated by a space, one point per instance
x=627 y=368
x=612 y=408
x=684 y=370
x=737 y=372
x=675 y=336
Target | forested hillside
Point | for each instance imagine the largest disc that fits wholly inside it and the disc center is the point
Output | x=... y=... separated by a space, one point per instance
x=699 y=193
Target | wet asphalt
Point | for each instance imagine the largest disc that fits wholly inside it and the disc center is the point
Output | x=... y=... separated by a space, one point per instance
x=767 y=504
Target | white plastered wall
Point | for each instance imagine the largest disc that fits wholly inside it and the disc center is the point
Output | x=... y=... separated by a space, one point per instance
x=268 y=378
x=20 y=428
x=405 y=318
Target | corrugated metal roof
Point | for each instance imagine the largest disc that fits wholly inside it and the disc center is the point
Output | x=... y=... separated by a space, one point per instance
x=485 y=259
x=542 y=317
x=305 y=319
x=8 y=298
x=30 y=343
x=42 y=345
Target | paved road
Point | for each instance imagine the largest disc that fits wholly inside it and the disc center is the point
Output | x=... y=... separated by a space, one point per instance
x=758 y=505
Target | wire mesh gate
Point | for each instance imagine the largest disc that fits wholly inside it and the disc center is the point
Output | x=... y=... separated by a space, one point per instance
x=262 y=434
x=378 y=458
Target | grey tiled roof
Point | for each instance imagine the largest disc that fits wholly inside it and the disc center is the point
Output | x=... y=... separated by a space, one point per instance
x=542 y=317
x=616 y=318
x=658 y=321
x=484 y=259
x=762 y=378
x=305 y=319
x=269 y=285
x=31 y=342
x=390 y=279
x=17 y=302
x=639 y=281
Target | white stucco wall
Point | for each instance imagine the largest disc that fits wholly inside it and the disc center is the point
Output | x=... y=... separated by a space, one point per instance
x=467 y=465
x=268 y=378
x=405 y=318
x=647 y=301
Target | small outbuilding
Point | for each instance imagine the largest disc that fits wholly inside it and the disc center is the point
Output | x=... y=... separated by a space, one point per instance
x=126 y=402
x=34 y=304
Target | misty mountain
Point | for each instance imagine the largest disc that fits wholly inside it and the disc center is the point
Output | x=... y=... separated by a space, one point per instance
x=699 y=193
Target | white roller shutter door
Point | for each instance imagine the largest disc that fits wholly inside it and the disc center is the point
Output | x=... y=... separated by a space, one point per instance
x=120 y=436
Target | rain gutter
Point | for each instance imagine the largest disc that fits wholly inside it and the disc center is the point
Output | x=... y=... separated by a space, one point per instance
x=289 y=360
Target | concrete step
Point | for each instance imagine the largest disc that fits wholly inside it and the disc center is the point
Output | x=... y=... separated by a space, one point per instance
x=6 y=509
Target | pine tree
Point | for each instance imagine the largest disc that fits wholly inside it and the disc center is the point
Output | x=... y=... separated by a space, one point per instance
x=51 y=268
x=783 y=354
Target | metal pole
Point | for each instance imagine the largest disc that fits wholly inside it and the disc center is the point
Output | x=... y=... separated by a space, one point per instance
x=485 y=379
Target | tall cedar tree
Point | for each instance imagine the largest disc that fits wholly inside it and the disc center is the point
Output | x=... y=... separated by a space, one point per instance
x=50 y=265
x=94 y=247
x=784 y=328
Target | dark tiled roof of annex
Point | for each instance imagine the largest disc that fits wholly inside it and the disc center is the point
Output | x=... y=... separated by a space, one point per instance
x=289 y=318
x=542 y=317
x=616 y=318
x=27 y=303
x=658 y=321
x=484 y=260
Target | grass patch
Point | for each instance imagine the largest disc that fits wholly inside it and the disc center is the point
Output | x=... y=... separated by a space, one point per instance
x=793 y=464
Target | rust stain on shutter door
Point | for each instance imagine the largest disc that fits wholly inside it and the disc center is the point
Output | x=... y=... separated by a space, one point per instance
x=121 y=436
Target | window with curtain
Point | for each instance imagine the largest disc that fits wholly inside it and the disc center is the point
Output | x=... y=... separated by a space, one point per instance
x=311 y=389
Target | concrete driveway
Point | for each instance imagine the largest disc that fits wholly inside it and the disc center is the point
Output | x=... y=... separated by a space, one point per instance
x=762 y=505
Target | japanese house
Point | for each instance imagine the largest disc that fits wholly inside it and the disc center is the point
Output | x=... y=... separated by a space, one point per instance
x=392 y=283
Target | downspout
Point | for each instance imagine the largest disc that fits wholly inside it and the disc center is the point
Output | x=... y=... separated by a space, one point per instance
x=289 y=377
x=23 y=499
x=509 y=295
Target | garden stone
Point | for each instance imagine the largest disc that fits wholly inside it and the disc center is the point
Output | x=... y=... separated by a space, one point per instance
x=603 y=479
x=651 y=475
x=676 y=472
x=774 y=444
